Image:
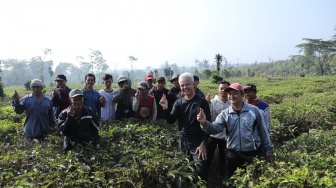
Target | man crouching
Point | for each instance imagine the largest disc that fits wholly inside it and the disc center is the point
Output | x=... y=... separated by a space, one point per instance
x=77 y=123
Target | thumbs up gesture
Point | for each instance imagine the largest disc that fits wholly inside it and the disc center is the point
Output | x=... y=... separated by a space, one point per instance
x=164 y=102
x=102 y=101
x=15 y=96
x=208 y=98
x=201 y=117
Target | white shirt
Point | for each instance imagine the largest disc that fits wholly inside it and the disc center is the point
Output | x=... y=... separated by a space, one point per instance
x=108 y=111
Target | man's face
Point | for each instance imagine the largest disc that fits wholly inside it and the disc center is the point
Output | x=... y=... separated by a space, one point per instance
x=77 y=102
x=150 y=82
x=196 y=82
x=160 y=85
x=108 y=82
x=90 y=81
x=235 y=97
x=121 y=84
x=250 y=95
x=221 y=92
x=187 y=86
x=176 y=83
x=61 y=83
x=37 y=90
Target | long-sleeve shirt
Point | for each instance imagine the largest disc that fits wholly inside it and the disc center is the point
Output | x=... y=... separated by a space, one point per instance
x=39 y=115
x=216 y=107
x=185 y=111
x=243 y=132
x=91 y=101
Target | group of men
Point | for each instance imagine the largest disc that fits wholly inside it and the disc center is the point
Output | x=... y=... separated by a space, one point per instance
x=240 y=129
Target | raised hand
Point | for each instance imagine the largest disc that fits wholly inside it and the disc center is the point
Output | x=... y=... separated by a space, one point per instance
x=71 y=111
x=102 y=101
x=137 y=94
x=208 y=98
x=179 y=95
x=201 y=117
x=164 y=102
x=15 y=96
x=56 y=91
x=125 y=86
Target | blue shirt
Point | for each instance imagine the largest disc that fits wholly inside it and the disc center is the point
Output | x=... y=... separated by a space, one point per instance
x=39 y=115
x=91 y=101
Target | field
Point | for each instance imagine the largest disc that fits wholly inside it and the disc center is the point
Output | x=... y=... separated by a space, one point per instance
x=134 y=155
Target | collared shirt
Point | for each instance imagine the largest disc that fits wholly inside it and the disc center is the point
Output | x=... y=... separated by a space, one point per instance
x=39 y=115
x=91 y=101
x=216 y=107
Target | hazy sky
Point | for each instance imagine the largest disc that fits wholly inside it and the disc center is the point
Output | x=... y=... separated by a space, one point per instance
x=155 y=31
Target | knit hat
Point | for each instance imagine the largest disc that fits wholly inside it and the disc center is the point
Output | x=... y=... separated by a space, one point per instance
x=36 y=82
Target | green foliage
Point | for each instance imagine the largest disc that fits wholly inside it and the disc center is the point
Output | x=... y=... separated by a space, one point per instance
x=27 y=85
x=2 y=92
x=215 y=79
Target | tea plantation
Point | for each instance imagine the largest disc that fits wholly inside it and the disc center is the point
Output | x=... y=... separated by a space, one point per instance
x=303 y=118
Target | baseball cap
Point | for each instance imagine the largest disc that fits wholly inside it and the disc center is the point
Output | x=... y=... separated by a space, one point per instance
x=235 y=86
x=60 y=77
x=143 y=85
x=161 y=79
x=175 y=76
x=75 y=93
x=250 y=87
x=122 y=78
x=149 y=77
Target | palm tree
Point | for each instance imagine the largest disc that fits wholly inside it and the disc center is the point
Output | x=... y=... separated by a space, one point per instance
x=218 y=59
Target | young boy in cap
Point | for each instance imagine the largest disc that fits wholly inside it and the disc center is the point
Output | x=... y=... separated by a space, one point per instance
x=38 y=109
x=60 y=96
x=77 y=123
x=124 y=98
x=244 y=128
x=144 y=105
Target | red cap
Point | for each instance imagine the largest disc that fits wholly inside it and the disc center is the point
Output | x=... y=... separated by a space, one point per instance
x=235 y=86
x=149 y=76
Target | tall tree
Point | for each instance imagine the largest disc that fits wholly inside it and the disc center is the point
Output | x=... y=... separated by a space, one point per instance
x=319 y=50
x=218 y=60
x=98 y=63
x=46 y=52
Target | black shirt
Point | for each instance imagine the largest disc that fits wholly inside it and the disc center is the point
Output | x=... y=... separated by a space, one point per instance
x=185 y=111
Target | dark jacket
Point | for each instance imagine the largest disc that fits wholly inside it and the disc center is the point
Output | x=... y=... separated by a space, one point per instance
x=124 y=99
x=81 y=129
x=158 y=95
x=57 y=101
